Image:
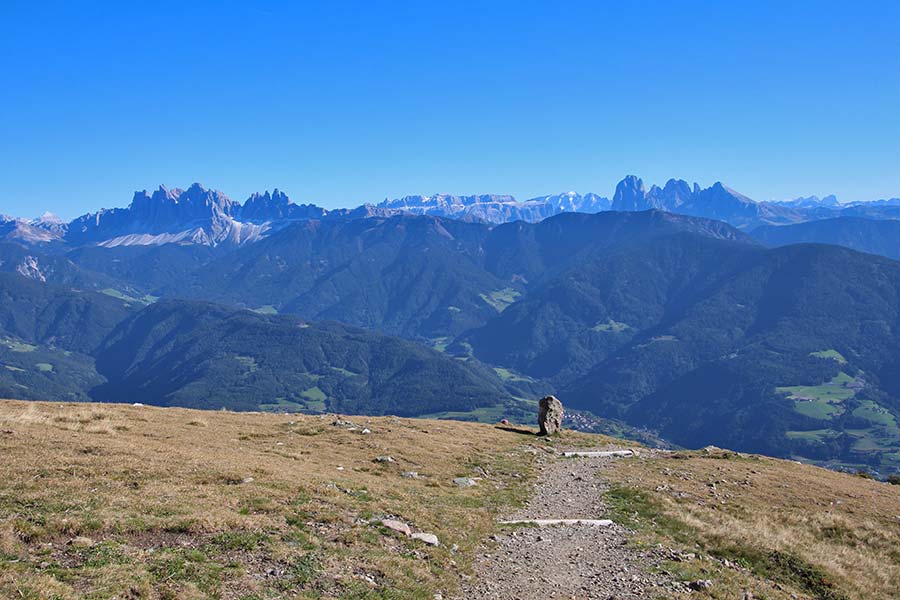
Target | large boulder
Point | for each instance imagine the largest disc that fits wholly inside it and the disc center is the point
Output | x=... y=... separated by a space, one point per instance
x=550 y=415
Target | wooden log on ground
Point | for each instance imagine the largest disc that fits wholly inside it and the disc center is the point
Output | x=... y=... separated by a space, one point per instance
x=546 y=522
x=604 y=454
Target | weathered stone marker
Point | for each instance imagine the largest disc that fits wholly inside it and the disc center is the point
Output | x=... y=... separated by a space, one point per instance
x=550 y=414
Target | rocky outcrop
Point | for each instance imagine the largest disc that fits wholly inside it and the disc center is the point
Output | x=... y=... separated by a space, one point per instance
x=550 y=415
x=276 y=206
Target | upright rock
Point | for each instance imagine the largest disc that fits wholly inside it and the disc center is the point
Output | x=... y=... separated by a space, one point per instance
x=550 y=415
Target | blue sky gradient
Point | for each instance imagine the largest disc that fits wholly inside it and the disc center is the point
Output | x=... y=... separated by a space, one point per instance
x=340 y=103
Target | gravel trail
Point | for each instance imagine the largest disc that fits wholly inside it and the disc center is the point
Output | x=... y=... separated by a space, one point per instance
x=566 y=561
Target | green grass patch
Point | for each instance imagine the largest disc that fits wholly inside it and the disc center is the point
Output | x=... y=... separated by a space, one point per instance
x=637 y=509
x=507 y=375
x=815 y=435
x=314 y=394
x=486 y=414
x=186 y=565
x=266 y=309
x=817 y=409
x=17 y=345
x=344 y=372
x=239 y=540
x=611 y=326
x=282 y=405
x=440 y=343
x=657 y=339
x=784 y=568
x=313 y=401
x=821 y=401
x=501 y=299
x=873 y=413
x=842 y=379
x=118 y=294
x=870 y=443
x=301 y=572
x=830 y=354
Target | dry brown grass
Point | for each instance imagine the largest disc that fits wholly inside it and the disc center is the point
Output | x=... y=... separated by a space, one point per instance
x=788 y=530
x=184 y=504
x=189 y=504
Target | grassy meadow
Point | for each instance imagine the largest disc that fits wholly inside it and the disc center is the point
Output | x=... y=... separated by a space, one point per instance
x=116 y=501
x=103 y=501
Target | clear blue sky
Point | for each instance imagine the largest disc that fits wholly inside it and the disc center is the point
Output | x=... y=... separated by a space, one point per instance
x=339 y=103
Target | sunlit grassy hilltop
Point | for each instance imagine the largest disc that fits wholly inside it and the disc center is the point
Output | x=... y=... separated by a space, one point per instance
x=118 y=501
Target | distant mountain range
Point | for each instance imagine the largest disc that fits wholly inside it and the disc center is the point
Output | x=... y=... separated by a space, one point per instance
x=829 y=201
x=675 y=323
x=694 y=312
x=497 y=209
x=205 y=217
x=875 y=236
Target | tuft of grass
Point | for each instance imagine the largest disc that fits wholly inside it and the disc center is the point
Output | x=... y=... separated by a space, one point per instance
x=239 y=540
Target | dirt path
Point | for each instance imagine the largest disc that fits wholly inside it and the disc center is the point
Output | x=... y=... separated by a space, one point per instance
x=566 y=561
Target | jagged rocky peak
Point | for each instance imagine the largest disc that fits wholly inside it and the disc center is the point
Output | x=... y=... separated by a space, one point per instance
x=630 y=195
x=677 y=192
x=275 y=198
x=266 y=206
x=716 y=202
x=194 y=215
x=162 y=194
x=721 y=191
x=276 y=206
x=196 y=202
